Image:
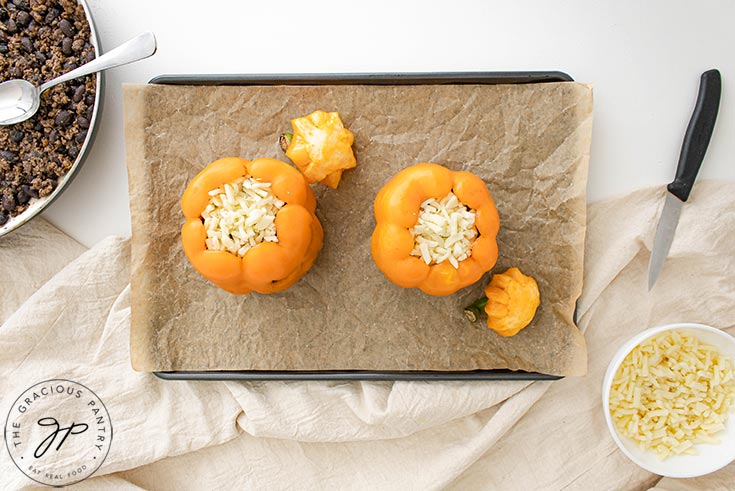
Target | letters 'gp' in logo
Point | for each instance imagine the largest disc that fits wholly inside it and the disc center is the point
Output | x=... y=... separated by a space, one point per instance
x=58 y=432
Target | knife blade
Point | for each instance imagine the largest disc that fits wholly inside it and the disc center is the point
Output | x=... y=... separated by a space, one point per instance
x=696 y=140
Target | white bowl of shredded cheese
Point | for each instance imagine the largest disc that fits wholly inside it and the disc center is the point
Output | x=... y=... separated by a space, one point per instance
x=669 y=399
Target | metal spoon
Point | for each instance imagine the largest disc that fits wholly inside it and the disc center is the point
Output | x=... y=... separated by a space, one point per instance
x=19 y=99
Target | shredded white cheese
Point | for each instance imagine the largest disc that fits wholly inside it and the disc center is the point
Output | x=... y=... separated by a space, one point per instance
x=445 y=231
x=241 y=215
x=672 y=392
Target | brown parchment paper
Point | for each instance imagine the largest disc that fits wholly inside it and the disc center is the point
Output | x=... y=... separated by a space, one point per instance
x=530 y=143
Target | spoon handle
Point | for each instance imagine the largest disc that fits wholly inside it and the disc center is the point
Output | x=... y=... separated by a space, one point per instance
x=138 y=48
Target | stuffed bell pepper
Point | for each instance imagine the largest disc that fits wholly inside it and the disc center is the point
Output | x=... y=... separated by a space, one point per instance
x=250 y=225
x=435 y=229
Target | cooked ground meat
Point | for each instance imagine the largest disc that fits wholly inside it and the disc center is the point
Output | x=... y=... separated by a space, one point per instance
x=40 y=40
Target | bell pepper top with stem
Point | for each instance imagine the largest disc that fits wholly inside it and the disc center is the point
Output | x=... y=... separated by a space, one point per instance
x=510 y=302
x=320 y=146
x=267 y=267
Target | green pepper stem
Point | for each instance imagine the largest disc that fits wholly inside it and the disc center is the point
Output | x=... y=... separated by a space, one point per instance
x=285 y=140
x=473 y=310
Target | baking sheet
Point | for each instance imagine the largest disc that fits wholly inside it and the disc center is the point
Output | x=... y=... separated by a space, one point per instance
x=530 y=143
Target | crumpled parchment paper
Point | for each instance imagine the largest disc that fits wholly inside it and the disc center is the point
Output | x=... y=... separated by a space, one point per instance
x=530 y=143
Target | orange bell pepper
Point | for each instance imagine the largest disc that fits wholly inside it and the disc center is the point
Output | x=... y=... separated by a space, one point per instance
x=397 y=207
x=268 y=267
x=321 y=147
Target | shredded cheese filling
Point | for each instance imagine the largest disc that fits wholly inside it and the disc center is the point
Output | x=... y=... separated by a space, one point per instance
x=445 y=231
x=672 y=392
x=241 y=215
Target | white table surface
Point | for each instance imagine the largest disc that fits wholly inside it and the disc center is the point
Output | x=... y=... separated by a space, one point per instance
x=644 y=59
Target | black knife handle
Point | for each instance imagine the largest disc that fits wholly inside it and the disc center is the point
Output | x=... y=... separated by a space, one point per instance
x=698 y=134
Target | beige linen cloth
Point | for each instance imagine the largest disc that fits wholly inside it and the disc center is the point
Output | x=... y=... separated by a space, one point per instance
x=65 y=314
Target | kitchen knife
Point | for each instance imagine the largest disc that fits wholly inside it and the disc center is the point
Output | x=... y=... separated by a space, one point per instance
x=693 y=149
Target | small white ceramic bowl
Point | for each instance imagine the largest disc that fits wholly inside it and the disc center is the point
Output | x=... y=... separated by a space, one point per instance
x=710 y=457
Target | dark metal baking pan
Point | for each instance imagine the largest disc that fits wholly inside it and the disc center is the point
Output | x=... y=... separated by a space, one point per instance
x=388 y=78
x=355 y=375
x=428 y=78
